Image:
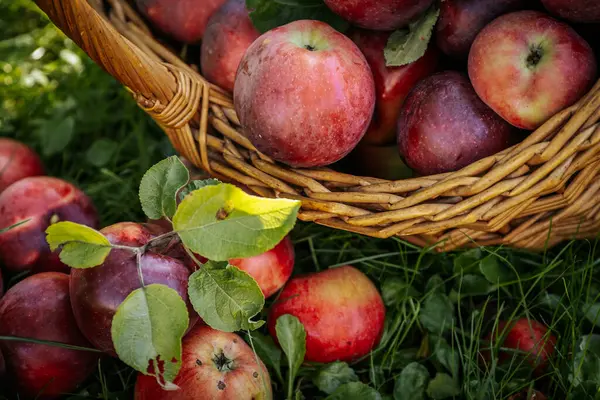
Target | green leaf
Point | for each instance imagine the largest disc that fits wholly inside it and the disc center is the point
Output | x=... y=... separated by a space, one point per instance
x=411 y=382
x=435 y=284
x=331 y=376
x=195 y=185
x=437 y=313
x=147 y=330
x=269 y=14
x=267 y=351
x=101 y=152
x=225 y=297
x=395 y=290
x=586 y=361
x=408 y=45
x=82 y=246
x=467 y=261
x=494 y=271
x=354 y=391
x=292 y=339
x=474 y=285
x=223 y=222
x=55 y=134
x=159 y=187
x=446 y=355
x=442 y=387
x=592 y=313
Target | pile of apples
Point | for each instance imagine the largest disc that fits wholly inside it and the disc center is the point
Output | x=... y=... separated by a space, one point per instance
x=307 y=95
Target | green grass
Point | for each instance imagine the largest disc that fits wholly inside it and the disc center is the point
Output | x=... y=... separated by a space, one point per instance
x=440 y=307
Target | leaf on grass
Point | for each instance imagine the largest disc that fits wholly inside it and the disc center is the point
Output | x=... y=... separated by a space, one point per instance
x=354 y=391
x=331 y=376
x=82 y=246
x=467 y=261
x=411 y=383
x=159 y=187
x=101 y=152
x=473 y=285
x=292 y=339
x=223 y=222
x=195 y=185
x=494 y=271
x=435 y=284
x=147 y=330
x=446 y=355
x=225 y=297
x=55 y=134
x=408 y=45
x=268 y=352
x=395 y=290
x=586 y=361
x=442 y=386
x=437 y=313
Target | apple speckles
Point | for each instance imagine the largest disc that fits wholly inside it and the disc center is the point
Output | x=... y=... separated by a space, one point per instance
x=221 y=385
x=198 y=362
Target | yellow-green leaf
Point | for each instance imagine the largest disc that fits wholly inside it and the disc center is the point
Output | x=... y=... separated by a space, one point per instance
x=82 y=246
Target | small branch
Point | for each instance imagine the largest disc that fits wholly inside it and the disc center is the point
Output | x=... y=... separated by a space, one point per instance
x=192 y=256
x=48 y=343
x=138 y=261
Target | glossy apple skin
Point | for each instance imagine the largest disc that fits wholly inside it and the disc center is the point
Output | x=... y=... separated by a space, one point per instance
x=39 y=199
x=272 y=269
x=97 y=292
x=444 y=126
x=17 y=161
x=341 y=310
x=523 y=93
x=392 y=84
x=227 y=37
x=585 y=11
x=39 y=308
x=200 y=376
x=461 y=20
x=183 y=20
x=383 y=15
x=303 y=107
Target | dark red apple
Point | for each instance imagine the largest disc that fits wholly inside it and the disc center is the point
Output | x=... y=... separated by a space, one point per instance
x=38 y=307
x=17 y=161
x=392 y=84
x=304 y=94
x=43 y=200
x=528 y=66
x=96 y=293
x=585 y=11
x=341 y=310
x=383 y=15
x=461 y=20
x=184 y=20
x=272 y=269
x=227 y=37
x=444 y=126
x=215 y=366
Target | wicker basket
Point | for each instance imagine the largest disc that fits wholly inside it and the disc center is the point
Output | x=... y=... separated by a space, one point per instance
x=533 y=195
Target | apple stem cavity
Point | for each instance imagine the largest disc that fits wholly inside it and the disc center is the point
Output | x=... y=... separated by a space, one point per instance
x=223 y=363
x=536 y=52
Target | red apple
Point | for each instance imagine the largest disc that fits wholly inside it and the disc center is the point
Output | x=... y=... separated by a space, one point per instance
x=341 y=310
x=384 y=15
x=304 y=94
x=96 y=293
x=392 y=84
x=227 y=37
x=38 y=308
x=42 y=200
x=461 y=20
x=17 y=161
x=585 y=11
x=272 y=269
x=184 y=20
x=215 y=366
x=528 y=66
x=444 y=126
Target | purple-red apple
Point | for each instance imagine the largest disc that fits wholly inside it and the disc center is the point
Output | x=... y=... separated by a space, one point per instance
x=17 y=161
x=341 y=310
x=272 y=269
x=304 y=94
x=461 y=20
x=183 y=20
x=38 y=307
x=392 y=84
x=42 y=200
x=215 y=366
x=528 y=66
x=584 y=11
x=383 y=15
x=444 y=126
x=228 y=35
x=97 y=292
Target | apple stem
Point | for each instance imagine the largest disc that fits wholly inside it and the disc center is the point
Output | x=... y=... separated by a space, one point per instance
x=139 y=254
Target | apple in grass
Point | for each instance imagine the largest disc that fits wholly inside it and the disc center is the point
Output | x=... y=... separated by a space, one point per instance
x=17 y=161
x=584 y=11
x=215 y=366
x=528 y=66
x=97 y=292
x=227 y=37
x=342 y=312
x=392 y=84
x=384 y=15
x=42 y=200
x=304 y=94
x=38 y=307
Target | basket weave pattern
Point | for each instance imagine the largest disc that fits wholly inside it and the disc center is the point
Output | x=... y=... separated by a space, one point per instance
x=535 y=194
